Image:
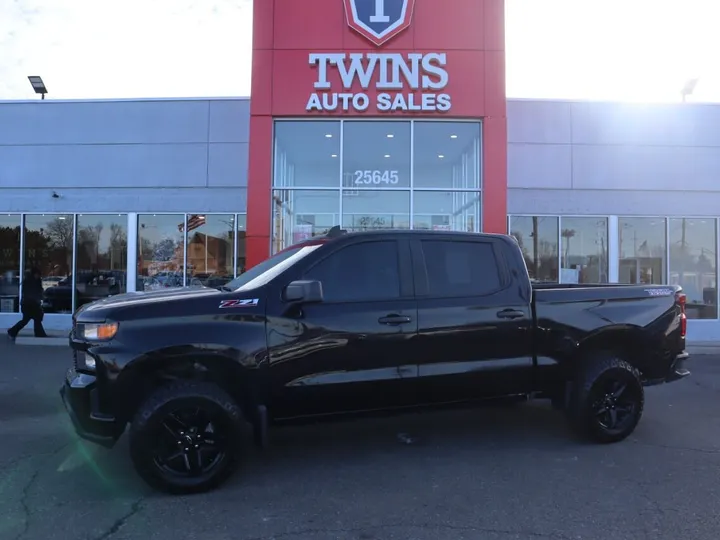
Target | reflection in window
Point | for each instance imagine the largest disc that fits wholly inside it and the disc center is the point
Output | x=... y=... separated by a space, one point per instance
x=359 y=272
x=447 y=155
x=373 y=210
x=446 y=210
x=100 y=257
x=692 y=264
x=9 y=263
x=210 y=244
x=302 y=214
x=160 y=251
x=376 y=155
x=643 y=250
x=583 y=243
x=307 y=154
x=241 y=233
x=537 y=237
x=49 y=247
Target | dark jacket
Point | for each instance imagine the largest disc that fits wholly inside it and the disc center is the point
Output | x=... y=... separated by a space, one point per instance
x=32 y=289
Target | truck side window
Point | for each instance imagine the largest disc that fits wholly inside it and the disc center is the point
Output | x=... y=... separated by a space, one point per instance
x=461 y=268
x=365 y=271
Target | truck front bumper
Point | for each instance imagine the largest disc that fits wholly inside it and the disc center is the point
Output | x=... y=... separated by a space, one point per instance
x=80 y=396
x=677 y=371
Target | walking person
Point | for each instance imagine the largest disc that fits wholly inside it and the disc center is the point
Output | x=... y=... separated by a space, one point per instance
x=32 y=294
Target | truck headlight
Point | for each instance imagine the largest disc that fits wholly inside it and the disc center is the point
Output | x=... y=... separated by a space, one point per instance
x=100 y=332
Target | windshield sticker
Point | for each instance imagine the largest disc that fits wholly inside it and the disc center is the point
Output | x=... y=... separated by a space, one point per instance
x=659 y=292
x=246 y=302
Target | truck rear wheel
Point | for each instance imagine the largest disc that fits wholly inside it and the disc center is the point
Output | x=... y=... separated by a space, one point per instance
x=607 y=399
x=186 y=437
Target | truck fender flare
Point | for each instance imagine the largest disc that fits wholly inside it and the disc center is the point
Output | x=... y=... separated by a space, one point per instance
x=150 y=371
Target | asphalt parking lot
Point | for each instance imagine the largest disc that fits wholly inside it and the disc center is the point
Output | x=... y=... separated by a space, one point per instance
x=492 y=473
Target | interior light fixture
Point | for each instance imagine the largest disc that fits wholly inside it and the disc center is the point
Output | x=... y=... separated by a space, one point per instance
x=387 y=155
x=453 y=136
x=390 y=135
x=328 y=135
x=333 y=155
x=441 y=156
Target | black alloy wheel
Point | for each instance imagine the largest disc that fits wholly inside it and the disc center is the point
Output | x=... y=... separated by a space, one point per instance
x=187 y=437
x=616 y=403
x=191 y=442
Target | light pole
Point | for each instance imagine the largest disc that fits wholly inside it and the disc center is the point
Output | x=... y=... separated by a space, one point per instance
x=38 y=85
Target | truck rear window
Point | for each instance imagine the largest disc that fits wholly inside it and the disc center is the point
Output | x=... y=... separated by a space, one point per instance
x=461 y=268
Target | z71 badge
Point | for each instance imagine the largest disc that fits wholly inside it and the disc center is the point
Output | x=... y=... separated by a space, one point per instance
x=246 y=302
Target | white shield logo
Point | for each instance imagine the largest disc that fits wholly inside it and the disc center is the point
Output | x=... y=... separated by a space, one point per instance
x=379 y=20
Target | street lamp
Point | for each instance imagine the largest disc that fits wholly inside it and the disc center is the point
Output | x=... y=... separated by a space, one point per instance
x=688 y=89
x=38 y=85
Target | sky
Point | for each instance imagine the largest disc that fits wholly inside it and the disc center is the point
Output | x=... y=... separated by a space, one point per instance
x=620 y=50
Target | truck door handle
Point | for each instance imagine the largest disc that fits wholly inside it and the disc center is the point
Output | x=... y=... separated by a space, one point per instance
x=394 y=320
x=510 y=314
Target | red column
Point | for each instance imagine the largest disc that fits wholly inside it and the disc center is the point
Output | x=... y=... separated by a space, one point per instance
x=495 y=122
x=257 y=238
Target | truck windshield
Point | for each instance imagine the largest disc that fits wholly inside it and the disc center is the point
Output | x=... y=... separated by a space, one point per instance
x=259 y=275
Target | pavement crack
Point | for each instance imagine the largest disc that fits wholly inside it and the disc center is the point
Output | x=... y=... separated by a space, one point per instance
x=25 y=493
x=135 y=509
x=27 y=514
x=447 y=527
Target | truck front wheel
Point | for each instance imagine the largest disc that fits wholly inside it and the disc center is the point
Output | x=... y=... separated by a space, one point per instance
x=607 y=399
x=186 y=437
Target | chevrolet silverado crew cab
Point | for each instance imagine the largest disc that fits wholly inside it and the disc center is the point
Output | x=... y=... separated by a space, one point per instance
x=352 y=323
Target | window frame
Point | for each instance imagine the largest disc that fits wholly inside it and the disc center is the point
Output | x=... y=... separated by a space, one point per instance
x=422 y=286
x=405 y=274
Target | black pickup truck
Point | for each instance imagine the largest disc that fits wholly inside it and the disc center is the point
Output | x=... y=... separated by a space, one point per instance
x=353 y=323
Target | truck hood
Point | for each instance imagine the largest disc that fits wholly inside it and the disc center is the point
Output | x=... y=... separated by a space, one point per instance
x=144 y=298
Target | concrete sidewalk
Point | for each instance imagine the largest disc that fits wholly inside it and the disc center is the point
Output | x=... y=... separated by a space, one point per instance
x=56 y=338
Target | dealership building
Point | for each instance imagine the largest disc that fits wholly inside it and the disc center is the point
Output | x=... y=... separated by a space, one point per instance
x=393 y=116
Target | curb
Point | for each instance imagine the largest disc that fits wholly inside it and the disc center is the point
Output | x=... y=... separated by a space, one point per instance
x=42 y=342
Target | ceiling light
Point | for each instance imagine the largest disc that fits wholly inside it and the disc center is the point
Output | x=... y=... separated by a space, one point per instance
x=441 y=156
x=387 y=155
x=328 y=135
x=453 y=136
x=390 y=135
x=333 y=155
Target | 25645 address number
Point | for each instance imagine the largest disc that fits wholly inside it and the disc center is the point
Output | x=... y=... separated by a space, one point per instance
x=365 y=178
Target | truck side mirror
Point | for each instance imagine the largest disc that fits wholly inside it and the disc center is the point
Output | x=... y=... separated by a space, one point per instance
x=304 y=291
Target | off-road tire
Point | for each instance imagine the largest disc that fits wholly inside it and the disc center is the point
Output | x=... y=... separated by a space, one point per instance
x=151 y=417
x=588 y=401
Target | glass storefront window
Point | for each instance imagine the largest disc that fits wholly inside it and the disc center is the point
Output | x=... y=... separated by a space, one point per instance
x=643 y=250
x=376 y=155
x=241 y=233
x=537 y=237
x=447 y=155
x=100 y=257
x=210 y=245
x=302 y=214
x=692 y=264
x=373 y=210
x=49 y=247
x=446 y=210
x=583 y=253
x=160 y=251
x=307 y=154
x=9 y=263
